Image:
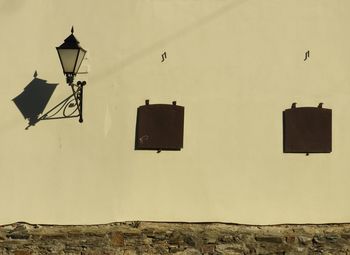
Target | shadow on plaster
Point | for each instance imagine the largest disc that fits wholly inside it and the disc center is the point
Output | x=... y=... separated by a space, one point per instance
x=34 y=99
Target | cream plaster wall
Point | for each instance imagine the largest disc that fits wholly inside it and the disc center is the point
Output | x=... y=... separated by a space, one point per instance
x=235 y=66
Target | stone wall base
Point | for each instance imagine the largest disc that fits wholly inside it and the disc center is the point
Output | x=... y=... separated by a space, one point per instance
x=130 y=238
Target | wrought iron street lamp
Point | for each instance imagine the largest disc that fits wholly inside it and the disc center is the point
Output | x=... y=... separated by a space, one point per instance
x=71 y=55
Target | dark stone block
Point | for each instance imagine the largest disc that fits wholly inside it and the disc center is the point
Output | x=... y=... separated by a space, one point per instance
x=176 y=238
x=269 y=239
x=117 y=239
x=208 y=248
x=19 y=235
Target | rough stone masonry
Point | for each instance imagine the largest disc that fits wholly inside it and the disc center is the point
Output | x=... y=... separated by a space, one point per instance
x=131 y=238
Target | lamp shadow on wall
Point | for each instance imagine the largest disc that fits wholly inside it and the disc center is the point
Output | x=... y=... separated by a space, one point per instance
x=34 y=99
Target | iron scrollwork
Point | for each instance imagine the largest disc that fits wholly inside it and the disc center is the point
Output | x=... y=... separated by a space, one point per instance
x=71 y=107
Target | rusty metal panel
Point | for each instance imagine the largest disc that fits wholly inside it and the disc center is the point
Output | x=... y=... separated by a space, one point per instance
x=159 y=127
x=307 y=130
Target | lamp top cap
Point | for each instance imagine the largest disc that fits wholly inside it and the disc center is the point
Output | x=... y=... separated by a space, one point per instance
x=70 y=42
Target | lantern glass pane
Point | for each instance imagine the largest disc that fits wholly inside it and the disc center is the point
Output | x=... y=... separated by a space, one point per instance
x=68 y=58
x=79 y=60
